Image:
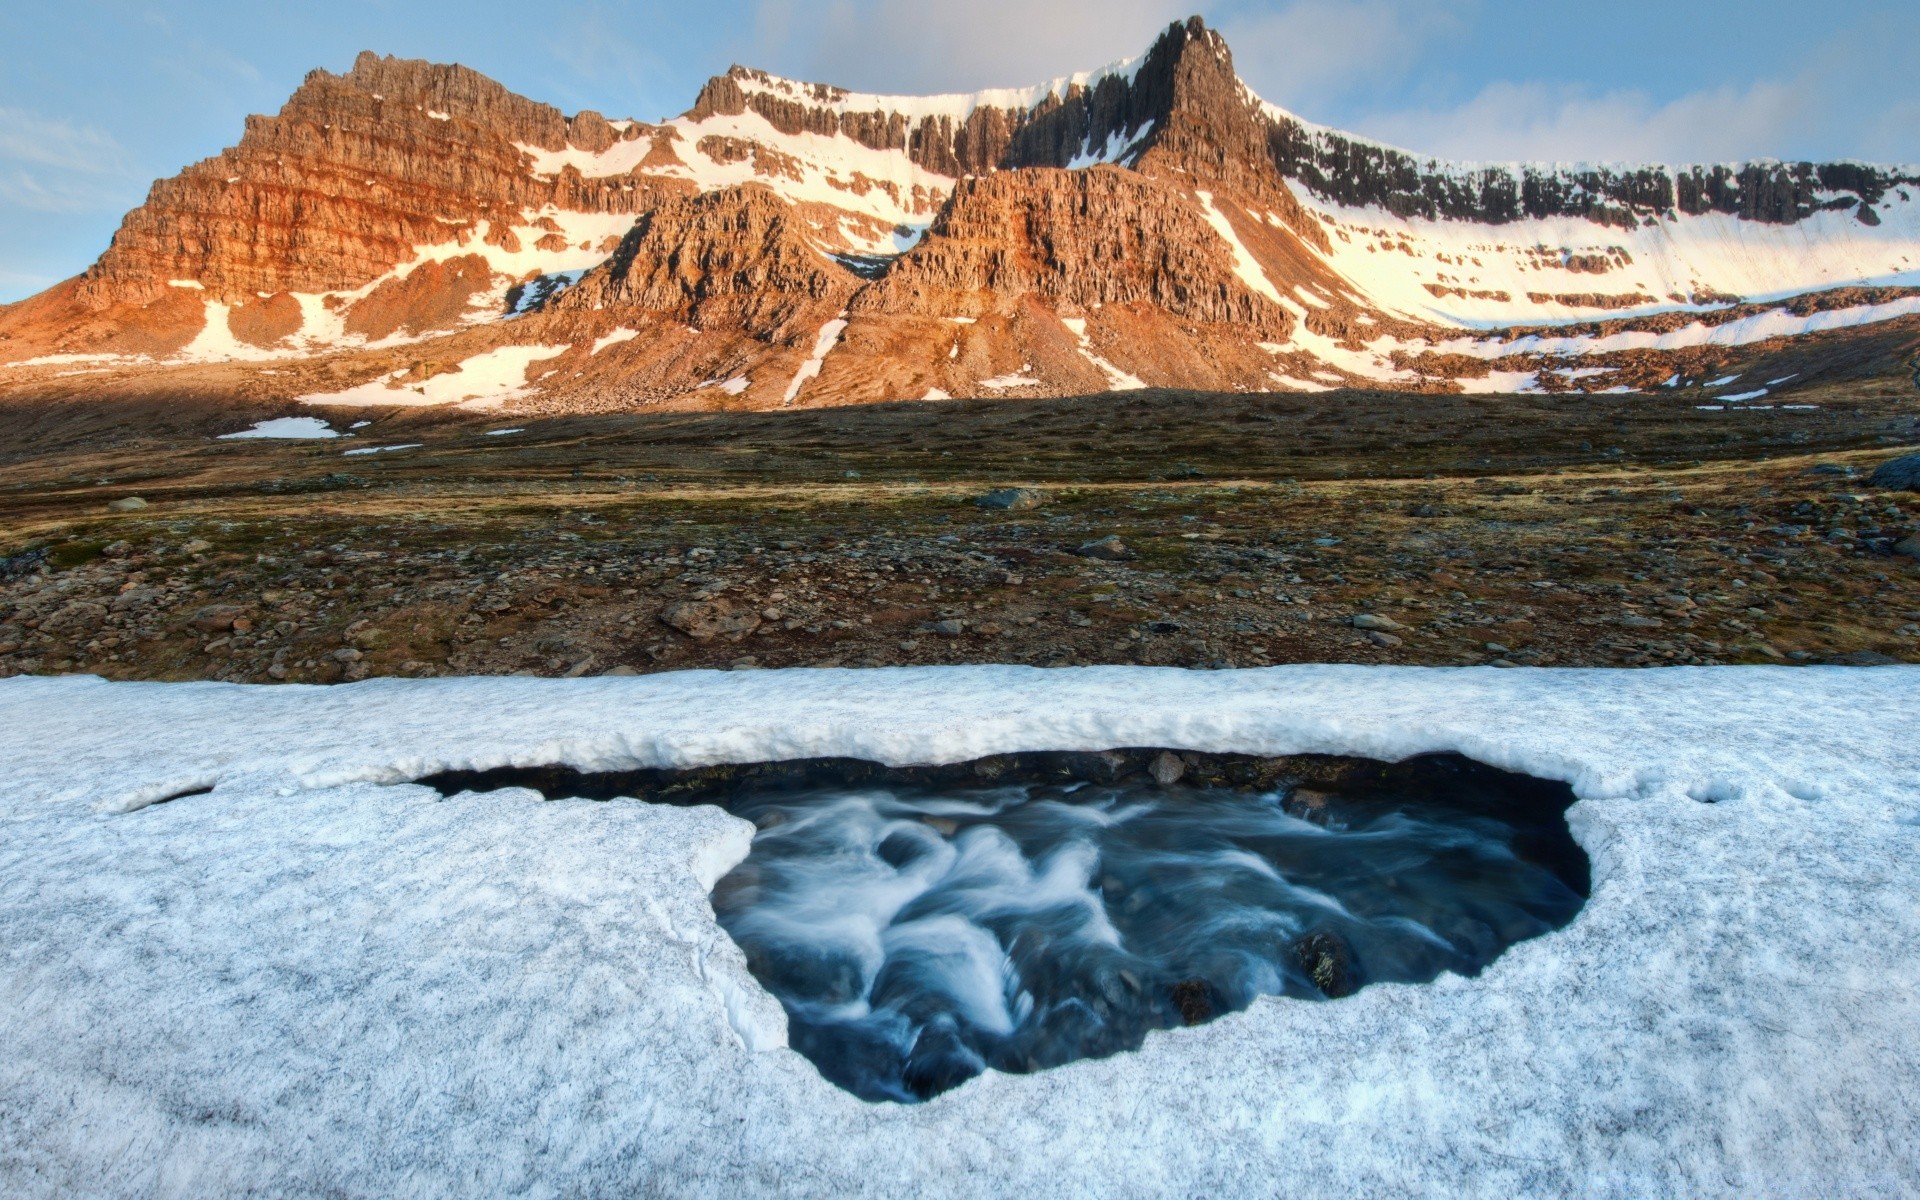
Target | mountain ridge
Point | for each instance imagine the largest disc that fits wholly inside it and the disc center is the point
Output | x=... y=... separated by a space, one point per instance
x=1152 y=222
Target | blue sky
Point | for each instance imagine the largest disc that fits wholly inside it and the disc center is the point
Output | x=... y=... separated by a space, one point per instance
x=100 y=97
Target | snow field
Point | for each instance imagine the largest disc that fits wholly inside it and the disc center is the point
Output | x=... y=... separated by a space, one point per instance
x=320 y=978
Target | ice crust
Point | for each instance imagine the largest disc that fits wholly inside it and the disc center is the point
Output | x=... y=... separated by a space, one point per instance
x=321 y=979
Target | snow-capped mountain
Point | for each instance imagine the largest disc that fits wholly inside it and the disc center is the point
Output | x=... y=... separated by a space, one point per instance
x=435 y=238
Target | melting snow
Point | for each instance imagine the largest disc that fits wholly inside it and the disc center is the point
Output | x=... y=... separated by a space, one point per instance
x=286 y=427
x=483 y=381
x=311 y=982
x=1117 y=379
x=615 y=338
x=384 y=449
x=822 y=346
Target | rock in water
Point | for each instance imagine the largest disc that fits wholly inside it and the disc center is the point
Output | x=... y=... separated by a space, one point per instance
x=1898 y=474
x=1326 y=959
x=704 y=620
x=1194 y=1000
x=1012 y=499
x=1167 y=768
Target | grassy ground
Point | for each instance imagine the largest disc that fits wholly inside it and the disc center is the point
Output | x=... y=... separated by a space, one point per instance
x=1569 y=530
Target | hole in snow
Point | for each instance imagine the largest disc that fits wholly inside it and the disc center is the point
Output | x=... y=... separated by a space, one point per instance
x=170 y=797
x=922 y=925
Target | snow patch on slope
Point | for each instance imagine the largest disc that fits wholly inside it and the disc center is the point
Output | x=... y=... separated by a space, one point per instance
x=483 y=381
x=1117 y=379
x=823 y=345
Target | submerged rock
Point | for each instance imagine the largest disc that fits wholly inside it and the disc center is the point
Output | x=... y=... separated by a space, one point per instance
x=1328 y=961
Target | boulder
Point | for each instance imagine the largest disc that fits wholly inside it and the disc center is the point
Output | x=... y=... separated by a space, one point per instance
x=1011 y=499
x=1166 y=768
x=76 y=617
x=1897 y=474
x=1377 y=624
x=704 y=620
x=215 y=618
x=1107 y=549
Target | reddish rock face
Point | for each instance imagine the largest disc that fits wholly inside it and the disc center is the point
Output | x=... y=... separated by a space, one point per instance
x=346 y=182
x=734 y=258
x=1077 y=240
x=432 y=296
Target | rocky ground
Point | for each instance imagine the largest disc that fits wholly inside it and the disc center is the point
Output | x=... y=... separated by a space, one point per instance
x=763 y=544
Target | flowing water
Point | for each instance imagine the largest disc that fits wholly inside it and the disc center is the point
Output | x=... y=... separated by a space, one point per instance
x=920 y=935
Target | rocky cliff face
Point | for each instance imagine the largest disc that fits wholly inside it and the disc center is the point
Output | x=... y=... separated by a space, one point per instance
x=1358 y=173
x=1077 y=241
x=733 y=259
x=354 y=174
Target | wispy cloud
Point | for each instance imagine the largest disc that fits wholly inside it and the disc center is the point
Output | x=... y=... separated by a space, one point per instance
x=1848 y=94
x=1321 y=49
x=49 y=164
x=1545 y=121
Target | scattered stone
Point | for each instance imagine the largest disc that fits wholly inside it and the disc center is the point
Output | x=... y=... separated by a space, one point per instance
x=1166 y=768
x=1863 y=658
x=216 y=618
x=1011 y=499
x=949 y=628
x=1496 y=648
x=196 y=546
x=1908 y=547
x=704 y=620
x=1636 y=621
x=127 y=504
x=1378 y=624
x=1194 y=1000
x=1386 y=641
x=619 y=672
x=580 y=668
x=1897 y=474
x=1307 y=804
x=348 y=654
x=1107 y=549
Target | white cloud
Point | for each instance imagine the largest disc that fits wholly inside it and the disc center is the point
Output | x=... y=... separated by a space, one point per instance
x=49 y=164
x=53 y=142
x=1312 y=51
x=1555 y=122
